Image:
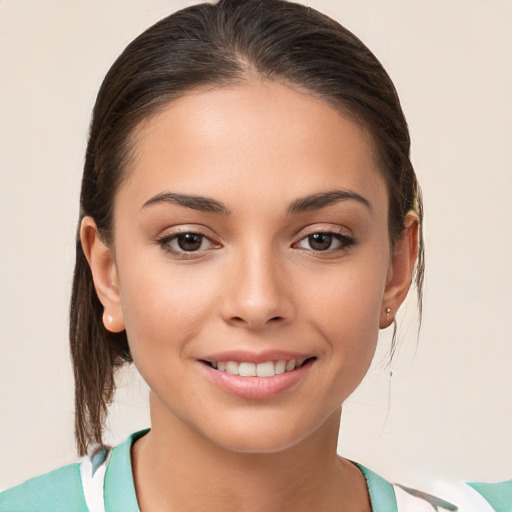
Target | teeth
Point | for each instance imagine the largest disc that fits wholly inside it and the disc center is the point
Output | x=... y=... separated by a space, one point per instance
x=266 y=369
x=232 y=367
x=290 y=365
x=280 y=367
x=247 y=370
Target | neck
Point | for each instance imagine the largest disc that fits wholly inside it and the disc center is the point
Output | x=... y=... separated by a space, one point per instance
x=176 y=469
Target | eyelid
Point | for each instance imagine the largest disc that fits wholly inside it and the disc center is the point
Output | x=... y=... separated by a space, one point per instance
x=324 y=228
x=343 y=235
x=182 y=229
x=171 y=233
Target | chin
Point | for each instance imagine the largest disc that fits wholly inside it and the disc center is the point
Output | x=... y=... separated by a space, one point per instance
x=265 y=435
x=260 y=442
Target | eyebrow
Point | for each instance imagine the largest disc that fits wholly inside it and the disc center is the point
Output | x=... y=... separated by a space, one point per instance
x=303 y=204
x=203 y=204
x=323 y=199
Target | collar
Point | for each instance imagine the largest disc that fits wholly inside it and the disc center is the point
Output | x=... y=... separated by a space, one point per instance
x=120 y=488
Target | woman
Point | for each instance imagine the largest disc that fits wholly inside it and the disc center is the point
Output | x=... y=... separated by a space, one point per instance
x=249 y=220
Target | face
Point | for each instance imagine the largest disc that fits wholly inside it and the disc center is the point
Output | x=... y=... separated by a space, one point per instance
x=251 y=263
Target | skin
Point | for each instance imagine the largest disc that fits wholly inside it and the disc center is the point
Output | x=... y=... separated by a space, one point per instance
x=256 y=283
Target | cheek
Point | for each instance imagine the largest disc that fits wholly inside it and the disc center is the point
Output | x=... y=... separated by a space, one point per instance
x=346 y=311
x=348 y=298
x=164 y=307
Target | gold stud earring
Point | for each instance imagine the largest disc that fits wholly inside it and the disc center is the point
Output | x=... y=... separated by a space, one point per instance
x=388 y=313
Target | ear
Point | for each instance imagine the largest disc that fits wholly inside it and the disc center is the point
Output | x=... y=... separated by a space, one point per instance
x=104 y=272
x=401 y=268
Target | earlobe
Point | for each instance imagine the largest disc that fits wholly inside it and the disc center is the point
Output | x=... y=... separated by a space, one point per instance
x=405 y=253
x=104 y=272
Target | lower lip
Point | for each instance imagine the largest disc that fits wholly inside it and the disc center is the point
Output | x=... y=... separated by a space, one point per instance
x=257 y=388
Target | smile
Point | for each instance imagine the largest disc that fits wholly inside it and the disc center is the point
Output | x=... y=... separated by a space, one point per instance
x=259 y=376
x=265 y=369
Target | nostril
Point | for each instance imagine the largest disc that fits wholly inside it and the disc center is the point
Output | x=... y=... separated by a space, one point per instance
x=273 y=319
x=257 y=323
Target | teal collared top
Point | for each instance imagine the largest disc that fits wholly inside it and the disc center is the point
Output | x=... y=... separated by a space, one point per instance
x=61 y=490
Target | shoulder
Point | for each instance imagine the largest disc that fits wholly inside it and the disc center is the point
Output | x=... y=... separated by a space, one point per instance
x=58 y=490
x=103 y=480
x=456 y=496
x=438 y=496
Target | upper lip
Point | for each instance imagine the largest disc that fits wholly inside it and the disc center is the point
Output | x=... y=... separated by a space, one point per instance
x=246 y=356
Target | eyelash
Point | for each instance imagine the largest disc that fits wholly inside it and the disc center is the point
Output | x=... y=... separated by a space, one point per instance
x=345 y=242
x=165 y=243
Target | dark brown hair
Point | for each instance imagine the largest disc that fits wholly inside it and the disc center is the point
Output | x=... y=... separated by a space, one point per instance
x=219 y=45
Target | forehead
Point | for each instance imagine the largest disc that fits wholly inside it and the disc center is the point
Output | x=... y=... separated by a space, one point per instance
x=258 y=141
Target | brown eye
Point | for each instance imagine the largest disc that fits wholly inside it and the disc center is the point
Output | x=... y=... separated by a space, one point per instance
x=330 y=242
x=187 y=245
x=189 y=241
x=320 y=241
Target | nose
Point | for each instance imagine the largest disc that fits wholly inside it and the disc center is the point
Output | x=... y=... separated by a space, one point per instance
x=257 y=293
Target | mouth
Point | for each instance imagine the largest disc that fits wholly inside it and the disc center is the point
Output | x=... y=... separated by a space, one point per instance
x=257 y=375
x=264 y=369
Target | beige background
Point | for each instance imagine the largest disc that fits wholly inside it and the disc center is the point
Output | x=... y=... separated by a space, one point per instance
x=447 y=411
